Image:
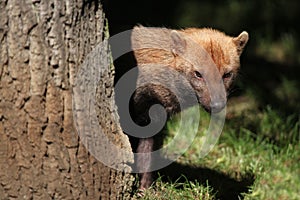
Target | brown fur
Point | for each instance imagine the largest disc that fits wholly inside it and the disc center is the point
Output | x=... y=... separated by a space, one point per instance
x=202 y=56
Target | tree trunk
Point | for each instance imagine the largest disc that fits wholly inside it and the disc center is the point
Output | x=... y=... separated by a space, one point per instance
x=42 y=45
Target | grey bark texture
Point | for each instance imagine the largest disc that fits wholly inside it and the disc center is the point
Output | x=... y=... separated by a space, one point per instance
x=42 y=45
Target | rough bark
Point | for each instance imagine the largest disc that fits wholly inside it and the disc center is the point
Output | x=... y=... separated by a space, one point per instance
x=42 y=45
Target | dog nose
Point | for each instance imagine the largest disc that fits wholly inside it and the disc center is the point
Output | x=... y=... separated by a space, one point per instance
x=217 y=106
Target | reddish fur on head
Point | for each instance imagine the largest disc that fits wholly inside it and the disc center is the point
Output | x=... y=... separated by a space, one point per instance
x=224 y=50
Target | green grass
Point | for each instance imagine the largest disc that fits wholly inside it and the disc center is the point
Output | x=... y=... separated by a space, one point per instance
x=186 y=190
x=257 y=146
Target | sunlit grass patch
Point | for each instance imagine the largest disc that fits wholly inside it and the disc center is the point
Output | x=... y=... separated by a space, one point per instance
x=264 y=148
x=187 y=190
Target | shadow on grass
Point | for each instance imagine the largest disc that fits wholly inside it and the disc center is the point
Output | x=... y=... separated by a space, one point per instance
x=224 y=186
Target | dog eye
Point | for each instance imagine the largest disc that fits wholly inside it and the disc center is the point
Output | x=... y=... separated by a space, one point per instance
x=227 y=75
x=198 y=74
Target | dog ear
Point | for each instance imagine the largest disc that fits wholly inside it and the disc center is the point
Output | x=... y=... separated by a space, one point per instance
x=178 y=43
x=241 y=41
